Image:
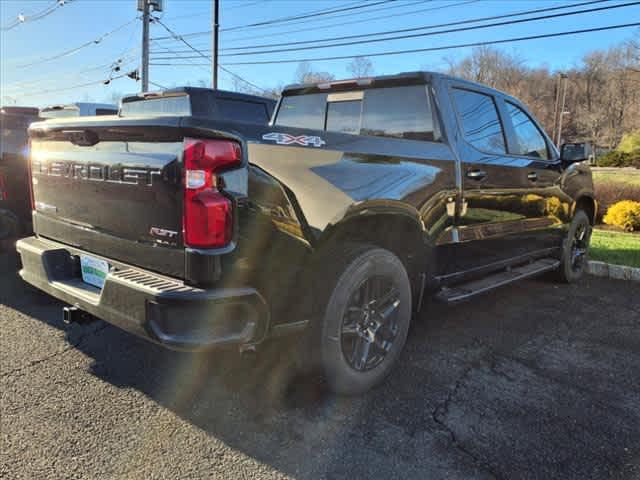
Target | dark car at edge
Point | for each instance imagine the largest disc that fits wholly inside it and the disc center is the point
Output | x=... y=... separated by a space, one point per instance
x=15 y=211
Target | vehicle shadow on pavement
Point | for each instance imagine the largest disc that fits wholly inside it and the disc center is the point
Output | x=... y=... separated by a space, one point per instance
x=533 y=381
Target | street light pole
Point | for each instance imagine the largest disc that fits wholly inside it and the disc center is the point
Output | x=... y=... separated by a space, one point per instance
x=556 y=107
x=562 y=112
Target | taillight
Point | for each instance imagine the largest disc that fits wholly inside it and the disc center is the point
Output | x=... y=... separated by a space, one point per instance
x=4 y=193
x=208 y=213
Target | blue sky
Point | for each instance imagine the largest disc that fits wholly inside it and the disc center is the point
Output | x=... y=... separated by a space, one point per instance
x=27 y=81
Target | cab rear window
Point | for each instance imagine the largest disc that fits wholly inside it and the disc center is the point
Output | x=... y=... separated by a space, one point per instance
x=399 y=112
x=174 y=106
x=60 y=112
x=242 y=110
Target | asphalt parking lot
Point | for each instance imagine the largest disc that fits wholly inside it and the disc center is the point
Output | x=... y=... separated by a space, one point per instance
x=536 y=380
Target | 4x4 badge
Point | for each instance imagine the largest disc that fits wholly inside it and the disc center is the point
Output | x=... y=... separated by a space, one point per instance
x=286 y=139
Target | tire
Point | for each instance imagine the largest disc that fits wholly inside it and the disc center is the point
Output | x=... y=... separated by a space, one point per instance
x=575 y=249
x=360 y=339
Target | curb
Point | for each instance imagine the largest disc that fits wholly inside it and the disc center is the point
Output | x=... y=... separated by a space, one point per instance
x=616 y=272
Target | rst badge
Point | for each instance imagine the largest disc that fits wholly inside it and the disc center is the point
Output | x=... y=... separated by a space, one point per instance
x=162 y=235
x=286 y=139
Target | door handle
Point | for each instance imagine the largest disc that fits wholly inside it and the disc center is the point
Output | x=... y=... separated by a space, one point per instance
x=533 y=176
x=476 y=174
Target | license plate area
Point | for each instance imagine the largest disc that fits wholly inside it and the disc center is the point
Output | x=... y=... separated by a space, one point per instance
x=93 y=270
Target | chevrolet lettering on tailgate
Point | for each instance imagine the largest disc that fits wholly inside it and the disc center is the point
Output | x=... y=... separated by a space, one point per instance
x=97 y=172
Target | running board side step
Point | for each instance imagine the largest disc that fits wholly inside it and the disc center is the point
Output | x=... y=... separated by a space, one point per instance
x=463 y=291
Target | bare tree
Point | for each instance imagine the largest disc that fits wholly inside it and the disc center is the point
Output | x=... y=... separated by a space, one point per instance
x=244 y=87
x=603 y=92
x=306 y=74
x=360 y=67
x=490 y=66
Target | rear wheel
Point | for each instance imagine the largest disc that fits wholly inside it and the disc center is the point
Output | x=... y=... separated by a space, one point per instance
x=366 y=320
x=575 y=248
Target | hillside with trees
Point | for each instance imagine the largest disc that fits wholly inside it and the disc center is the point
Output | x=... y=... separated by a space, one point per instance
x=602 y=91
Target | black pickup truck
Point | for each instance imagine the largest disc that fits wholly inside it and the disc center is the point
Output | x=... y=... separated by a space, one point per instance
x=332 y=222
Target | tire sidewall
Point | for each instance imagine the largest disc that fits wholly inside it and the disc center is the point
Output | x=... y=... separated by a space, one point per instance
x=344 y=378
x=568 y=274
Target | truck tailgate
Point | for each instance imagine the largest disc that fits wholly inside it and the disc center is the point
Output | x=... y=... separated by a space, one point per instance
x=112 y=189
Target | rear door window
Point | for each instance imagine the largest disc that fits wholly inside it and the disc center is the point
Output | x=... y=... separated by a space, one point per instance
x=302 y=111
x=531 y=142
x=400 y=112
x=479 y=120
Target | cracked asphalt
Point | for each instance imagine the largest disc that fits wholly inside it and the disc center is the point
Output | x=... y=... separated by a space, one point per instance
x=533 y=381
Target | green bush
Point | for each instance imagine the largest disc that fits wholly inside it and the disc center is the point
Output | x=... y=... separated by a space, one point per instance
x=624 y=214
x=630 y=142
x=617 y=158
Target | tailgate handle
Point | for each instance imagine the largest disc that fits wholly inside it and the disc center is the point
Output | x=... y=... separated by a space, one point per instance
x=82 y=138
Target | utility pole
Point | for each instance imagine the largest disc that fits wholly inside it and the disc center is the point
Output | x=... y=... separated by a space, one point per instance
x=145 y=44
x=562 y=112
x=214 y=43
x=554 y=134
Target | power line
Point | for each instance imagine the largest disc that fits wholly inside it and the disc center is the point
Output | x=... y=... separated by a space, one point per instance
x=79 y=47
x=314 y=13
x=334 y=25
x=439 y=32
x=105 y=81
x=419 y=35
x=113 y=67
x=306 y=21
x=432 y=49
x=361 y=20
x=424 y=27
x=36 y=16
x=174 y=52
x=178 y=37
x=245 y=5
x=157 y=85
x=202 y=13
x=333 y=16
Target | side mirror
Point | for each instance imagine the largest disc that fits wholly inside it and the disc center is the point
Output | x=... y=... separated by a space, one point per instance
x=574 y=152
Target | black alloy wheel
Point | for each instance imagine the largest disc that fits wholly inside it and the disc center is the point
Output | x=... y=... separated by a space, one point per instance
x=370 y=323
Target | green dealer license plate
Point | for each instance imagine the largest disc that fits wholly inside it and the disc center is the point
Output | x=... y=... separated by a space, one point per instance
x=94 y=271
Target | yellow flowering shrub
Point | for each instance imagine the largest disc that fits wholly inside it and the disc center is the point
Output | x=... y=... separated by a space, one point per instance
x=624 y=214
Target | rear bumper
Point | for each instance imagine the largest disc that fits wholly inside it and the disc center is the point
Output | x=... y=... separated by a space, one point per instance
x=158 y=308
